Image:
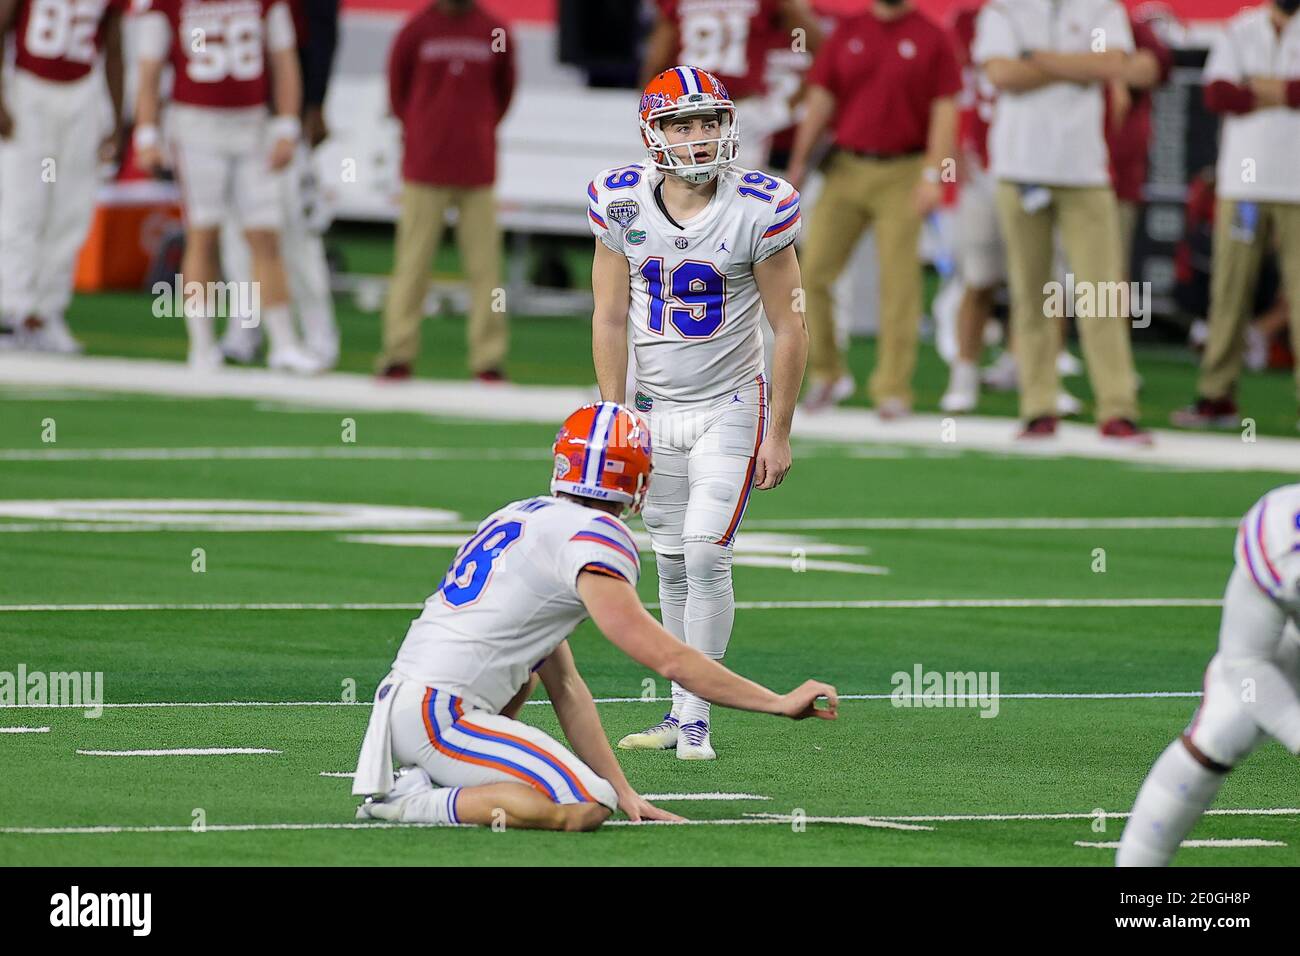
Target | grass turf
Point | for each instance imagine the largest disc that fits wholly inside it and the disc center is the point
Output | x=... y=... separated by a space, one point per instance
x=1035 y=757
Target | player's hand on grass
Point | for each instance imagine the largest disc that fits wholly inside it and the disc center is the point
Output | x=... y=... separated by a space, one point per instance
x=801 y=702
x=638 y=808
x=773 y=462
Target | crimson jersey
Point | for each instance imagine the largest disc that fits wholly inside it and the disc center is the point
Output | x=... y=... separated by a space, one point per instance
x=728 y=38
x=978 y=96
x=60 y=39
x=218 y=50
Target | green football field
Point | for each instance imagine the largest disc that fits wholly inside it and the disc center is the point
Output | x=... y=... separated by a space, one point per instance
x=228 y=609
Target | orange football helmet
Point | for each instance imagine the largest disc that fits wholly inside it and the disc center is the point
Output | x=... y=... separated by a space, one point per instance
x=685 y=91
x=603 y=451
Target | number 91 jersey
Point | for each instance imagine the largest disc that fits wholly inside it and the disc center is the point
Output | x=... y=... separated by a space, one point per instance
x=695 y=309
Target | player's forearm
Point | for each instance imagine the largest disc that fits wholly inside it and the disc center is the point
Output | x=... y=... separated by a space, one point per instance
x=941 y=141
x=114 y=68
x=789 y=359
x=609 y=354
x=286 y=84
x=708 y=679
x=147 y=101
x=576 y=711
x=1081 y=67
x=819 y=107
x=1142 y=70
x=1017 y=76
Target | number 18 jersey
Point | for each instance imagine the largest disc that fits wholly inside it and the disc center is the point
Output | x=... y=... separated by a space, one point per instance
x=511 y=596
x=695 y=310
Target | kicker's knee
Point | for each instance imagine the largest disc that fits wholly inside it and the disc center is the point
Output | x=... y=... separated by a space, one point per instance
x=582 y=817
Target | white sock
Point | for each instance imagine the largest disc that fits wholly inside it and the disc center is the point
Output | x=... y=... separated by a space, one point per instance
x=278 y=323
x=710 y=612
x=672 y=607
x=430 y=806
x=1176 y=792
x=198 y=326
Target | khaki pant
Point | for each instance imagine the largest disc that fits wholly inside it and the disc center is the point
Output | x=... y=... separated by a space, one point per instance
x=1237 y=256
x=419 y=231
x=1088 y=222
x=861 y=193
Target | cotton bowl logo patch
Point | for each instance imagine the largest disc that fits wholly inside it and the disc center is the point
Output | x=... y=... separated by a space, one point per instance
x=623 y=211
x=561 y=466
x=635 y=236
x=643 y=402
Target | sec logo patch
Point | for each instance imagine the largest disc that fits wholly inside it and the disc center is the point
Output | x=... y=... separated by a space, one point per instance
x=680 y=242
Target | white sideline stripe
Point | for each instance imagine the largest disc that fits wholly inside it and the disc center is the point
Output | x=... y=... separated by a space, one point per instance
x=1192 y=844
x=550 y=404
x=180 y=752
x=1132 y=695
x=273 y=453
x=246 y=827
x=1118 y=815
x=752 y=819
x=346 y=774
x=984 y=524
x=882 y=604
x=24 y=730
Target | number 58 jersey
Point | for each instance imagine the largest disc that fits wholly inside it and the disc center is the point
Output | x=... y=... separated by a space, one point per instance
x=510 y=597
x=695 y=309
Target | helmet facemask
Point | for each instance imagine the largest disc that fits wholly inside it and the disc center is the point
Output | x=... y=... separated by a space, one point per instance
x=662 y=153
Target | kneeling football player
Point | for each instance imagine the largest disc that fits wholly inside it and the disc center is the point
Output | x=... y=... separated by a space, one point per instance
x=503 y=611
x=1252 y=685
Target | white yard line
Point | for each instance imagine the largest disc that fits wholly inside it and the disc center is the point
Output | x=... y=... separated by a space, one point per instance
x=550 y=404
x=1084 y=695
x=274 y=453
x=1193 y=844
x=1117 y=815
x=869 y=604
x=180 y=752
x=24 y=730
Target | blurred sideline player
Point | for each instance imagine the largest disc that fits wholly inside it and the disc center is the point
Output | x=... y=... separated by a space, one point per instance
x=227 y=152
x=981 y=253
x=51 y=142
x=691 y=253
x=732 y=39
x=1252 y=685
x=305 y=208
x=502 y=614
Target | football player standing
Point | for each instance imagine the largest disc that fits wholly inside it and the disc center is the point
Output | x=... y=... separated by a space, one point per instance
x=1252 y=685
x=50 y=145
x=692 y=252
x=227 y=151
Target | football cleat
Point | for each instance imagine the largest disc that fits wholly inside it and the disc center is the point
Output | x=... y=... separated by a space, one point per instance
x=1126 y=431
x=296 y=360
x=602 y=451
x=688 y=91
x=693 y=742
x=963 y=392
x=825 y=394
x=206 y=359
x=410 y=780
x=662 y=736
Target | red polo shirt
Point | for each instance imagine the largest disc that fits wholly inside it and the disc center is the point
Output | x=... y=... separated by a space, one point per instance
x=450 y=79
x=885 y=75
x=1131 y=142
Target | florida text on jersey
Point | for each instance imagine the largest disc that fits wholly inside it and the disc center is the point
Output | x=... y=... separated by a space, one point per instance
x=695 y=309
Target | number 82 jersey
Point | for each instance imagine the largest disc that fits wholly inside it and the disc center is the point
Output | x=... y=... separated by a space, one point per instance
x=695 y=310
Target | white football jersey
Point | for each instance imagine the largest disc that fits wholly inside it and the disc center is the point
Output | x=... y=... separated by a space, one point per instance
x=1268 y=546
x=695 y=310
x=510 y=597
